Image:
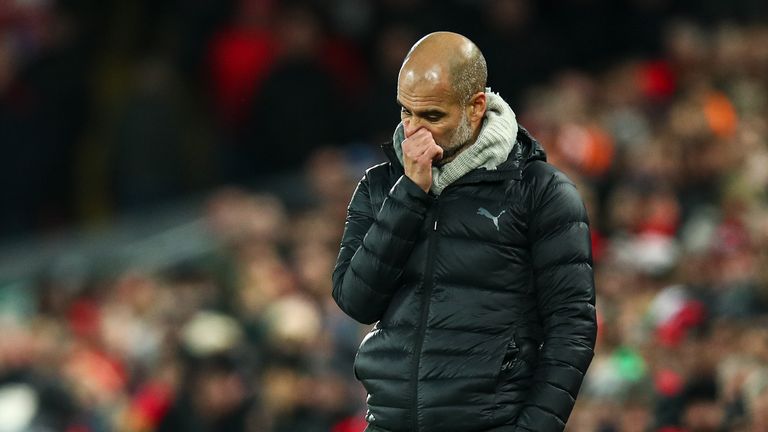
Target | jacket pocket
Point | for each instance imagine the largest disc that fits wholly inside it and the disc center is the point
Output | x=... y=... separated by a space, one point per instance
x=514 y=380
x=511 y=360
x=510 y=364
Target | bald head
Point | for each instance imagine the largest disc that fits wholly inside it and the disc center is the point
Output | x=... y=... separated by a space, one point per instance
x=448 y=57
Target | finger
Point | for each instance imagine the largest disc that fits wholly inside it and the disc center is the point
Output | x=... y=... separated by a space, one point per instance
x=432 y=152
x=417 y=134
x=422 y=138
x=421 y=132
x=435 y=153
x=415 y=150
x=417 y=144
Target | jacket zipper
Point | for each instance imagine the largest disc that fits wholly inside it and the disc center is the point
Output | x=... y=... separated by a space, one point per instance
x=425 y=296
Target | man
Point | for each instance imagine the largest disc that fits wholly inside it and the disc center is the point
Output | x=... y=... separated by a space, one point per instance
x=472 y=255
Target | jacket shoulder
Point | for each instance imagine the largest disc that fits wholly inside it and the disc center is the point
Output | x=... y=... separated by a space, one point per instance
x=539 y=174
x=546 y=184
x=383 y=174
x=379 y=169
x=380 y=179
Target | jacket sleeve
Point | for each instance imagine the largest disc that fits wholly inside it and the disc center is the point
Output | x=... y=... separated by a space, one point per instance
x=375 y=246
x=565 y=296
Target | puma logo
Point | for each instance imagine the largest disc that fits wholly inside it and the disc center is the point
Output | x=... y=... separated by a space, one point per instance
x=495 y=219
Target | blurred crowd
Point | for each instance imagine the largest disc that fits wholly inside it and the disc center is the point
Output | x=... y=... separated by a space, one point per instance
x=657 y=109
x=110 y=106
x=671 y=154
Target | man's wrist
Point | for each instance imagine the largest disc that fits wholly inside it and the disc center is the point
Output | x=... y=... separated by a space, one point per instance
x=411 y=194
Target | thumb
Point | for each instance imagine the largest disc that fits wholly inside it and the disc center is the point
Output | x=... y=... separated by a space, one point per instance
x=438 y=153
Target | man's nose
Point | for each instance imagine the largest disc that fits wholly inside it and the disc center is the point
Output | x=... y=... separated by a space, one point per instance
x=410 y=126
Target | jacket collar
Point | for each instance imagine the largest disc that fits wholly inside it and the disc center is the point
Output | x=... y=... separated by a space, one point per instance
x=526 y=149
x=490 y=149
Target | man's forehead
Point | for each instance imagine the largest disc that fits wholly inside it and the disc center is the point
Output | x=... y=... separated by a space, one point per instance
x=428 y=83
x=416 y=70
x=431 y=74
x=424 y=93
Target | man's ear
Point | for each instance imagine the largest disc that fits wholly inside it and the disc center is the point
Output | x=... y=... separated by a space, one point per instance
x=477 y=105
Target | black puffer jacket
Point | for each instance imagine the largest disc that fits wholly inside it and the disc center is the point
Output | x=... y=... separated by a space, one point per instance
x=484 y=297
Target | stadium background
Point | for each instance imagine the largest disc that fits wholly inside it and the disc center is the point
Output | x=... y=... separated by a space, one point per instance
x=174 y=177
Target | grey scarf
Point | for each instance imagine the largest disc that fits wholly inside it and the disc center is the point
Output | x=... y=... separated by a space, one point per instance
x=494 y=143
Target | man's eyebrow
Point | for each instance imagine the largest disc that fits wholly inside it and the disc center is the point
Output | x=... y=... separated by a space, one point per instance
x=424 y=113
x=432 y=113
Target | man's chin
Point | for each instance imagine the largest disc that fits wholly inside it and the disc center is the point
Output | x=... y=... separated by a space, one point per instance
x=442 y=161
x=450 y=154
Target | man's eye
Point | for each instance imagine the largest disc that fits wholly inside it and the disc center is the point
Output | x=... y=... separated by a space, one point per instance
x=405 y=111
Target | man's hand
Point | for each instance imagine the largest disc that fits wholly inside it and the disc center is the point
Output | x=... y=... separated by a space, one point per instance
x=419 y=150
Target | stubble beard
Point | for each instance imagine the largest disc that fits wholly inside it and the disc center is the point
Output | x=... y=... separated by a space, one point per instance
x=459 y=140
